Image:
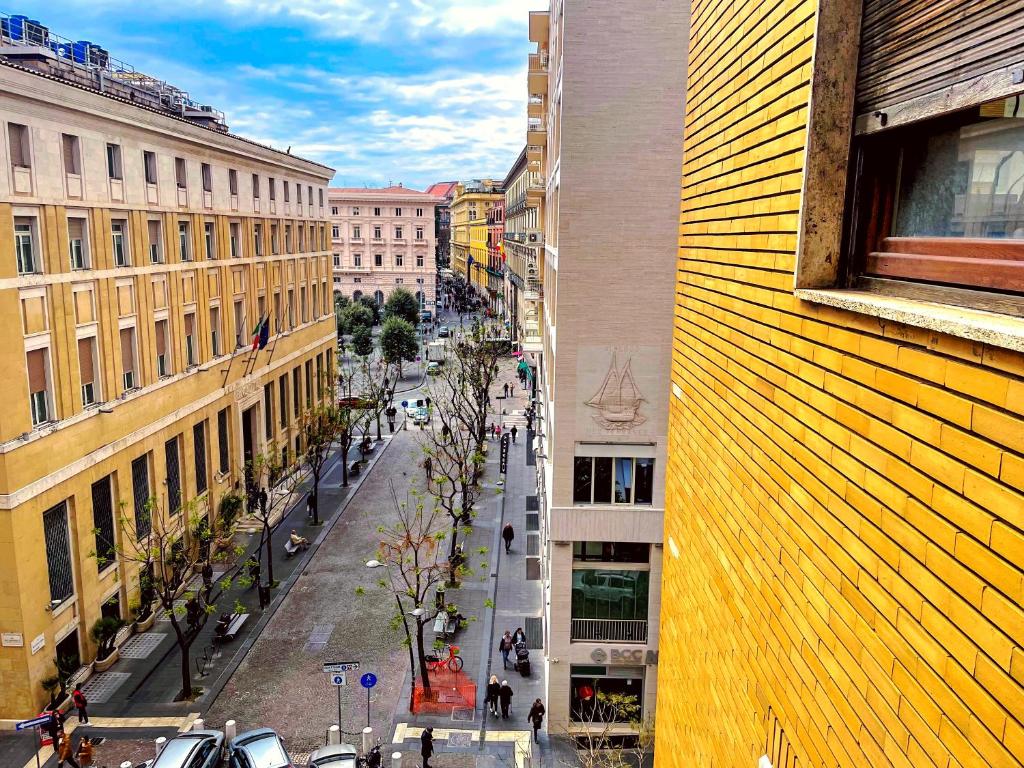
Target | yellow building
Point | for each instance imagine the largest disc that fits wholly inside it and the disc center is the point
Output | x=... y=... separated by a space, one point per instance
x=472 y=201
x=138 y=251
x=844 y=523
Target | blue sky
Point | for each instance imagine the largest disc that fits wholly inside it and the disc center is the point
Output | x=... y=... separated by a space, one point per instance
x=411 y=91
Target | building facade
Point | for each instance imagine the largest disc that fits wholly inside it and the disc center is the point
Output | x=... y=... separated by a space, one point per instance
x=611 y=160
x=445 y=190
x=524 y=242
x=138 y=250
x=472 y=201
x=384 y=239
x=496 y=259
x=845 y=503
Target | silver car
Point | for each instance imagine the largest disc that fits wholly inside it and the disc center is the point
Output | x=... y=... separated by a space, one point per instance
x=261 y=748
x=334 y=756
x=195 y=749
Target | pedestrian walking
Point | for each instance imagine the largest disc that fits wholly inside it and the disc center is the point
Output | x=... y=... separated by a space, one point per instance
x=505 y=697
x=497 y=431
x=64 y=753
x=507 y=533
x=506 y=390
x=85 y=756
x=427 y=745
x=518 y=636
x=493 y=431
x=309 y=505
x=80 y=702
x=513 y=432
x=536 y=718
x=505 y=645
x=493 y=688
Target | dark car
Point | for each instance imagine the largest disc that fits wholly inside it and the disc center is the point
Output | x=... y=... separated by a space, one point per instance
x=195 y=749
x=443 y=332
x=261 y=748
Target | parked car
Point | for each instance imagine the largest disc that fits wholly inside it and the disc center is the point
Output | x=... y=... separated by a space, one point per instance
x=433 y=368
x=411 y=411
x=195 y=749
x=334 y=756
x=444 y=332
x=261 y=748
x=422 y=415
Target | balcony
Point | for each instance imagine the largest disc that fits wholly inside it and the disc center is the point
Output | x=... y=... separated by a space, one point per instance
x=539 y=25
x=536 y=132
x=537 y=74
x=534 y=154
x=535 y=194
x=609 y=630
x=535 y=107
x=356 y=241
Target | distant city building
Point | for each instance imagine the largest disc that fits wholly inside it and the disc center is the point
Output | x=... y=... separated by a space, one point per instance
x=443 y=218
x=472 y=201
x=496 y=258
x=384 y=239
x=143 y=247
x=524 y=246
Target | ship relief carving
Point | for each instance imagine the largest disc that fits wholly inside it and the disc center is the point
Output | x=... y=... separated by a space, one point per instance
x=616 y=405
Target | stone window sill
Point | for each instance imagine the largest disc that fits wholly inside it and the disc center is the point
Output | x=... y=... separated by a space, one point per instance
x=993 y=328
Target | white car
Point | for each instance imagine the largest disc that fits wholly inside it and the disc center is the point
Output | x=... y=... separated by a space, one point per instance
x=411 y=412
x=334 y=756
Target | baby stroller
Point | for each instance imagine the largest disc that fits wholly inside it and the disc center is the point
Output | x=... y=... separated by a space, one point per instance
x=522 y=663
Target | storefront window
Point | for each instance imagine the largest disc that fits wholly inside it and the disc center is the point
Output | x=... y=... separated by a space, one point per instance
x=607 y=594
x=611 y=551
x=606 y=694
x=607 y=480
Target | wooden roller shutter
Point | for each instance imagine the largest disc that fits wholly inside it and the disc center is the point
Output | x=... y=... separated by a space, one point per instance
x=911 y=48
x=127 y=350
x=85 y=361
x=37 y=370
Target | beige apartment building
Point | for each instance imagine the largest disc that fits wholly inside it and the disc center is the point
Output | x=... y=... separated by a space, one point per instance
x=384 y=239
x=524 y=245
x=140 y=244
x=610 y=161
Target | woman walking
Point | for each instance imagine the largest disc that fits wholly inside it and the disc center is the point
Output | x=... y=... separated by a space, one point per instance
x=505 y=697
x=505 y=645
x=493 y=689
x=536 y=718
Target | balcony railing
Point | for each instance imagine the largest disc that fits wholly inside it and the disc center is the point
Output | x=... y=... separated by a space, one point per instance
x=610 y=630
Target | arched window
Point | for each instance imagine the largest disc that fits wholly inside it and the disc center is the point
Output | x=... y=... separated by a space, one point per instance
x=357 y=296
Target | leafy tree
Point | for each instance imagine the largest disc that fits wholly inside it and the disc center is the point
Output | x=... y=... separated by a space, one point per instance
x=402 y=304
x=466 y=379
x=370 y=303
x=340 y=302
x=350 y=419
x=353 y=317
x=319 y=427
x=362 y=341
x=398 y=342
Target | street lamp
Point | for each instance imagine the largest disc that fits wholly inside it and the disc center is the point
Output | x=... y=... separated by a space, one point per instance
x=417 y=612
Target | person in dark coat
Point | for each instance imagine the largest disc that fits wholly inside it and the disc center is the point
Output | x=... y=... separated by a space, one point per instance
x=505 y=698
x=507 y=533
x=505 y=645
x=493 y=689
x=536 y=718
x=427 y=745
x=513 y=432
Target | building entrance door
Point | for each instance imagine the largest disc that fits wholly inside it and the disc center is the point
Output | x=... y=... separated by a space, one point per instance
x=68 y=655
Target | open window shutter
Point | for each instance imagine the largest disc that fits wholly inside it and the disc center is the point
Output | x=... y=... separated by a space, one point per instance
x=911 y=48
x=127 y=355
x=75 y=228
x=189 y=324
x=85 y=361
x=154 y=231
x=37 y=370
x=161 y=337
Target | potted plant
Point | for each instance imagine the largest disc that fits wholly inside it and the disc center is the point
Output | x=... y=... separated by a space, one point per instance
x=231 y=504
x=103 y=633
x=143 y=609
x=56 y=685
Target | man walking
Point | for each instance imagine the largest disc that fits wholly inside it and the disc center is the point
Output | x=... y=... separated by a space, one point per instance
x=505 y=646
x=65 y=753
x=507 y=533
x=80 y=702
x=506 y=390
x=536 y=718
x=513 y=432
x=505 y=697
x=427 y=745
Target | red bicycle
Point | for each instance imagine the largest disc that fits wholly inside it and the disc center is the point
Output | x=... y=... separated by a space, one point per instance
x=452 y=662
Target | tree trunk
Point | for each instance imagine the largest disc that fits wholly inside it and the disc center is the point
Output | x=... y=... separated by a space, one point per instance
x=268 y=535
x=422 y=654
x=316 y=498
x=184 y=646
x=346 y=445
x=379 y=438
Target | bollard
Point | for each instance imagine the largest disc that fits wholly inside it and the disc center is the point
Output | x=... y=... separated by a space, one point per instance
x=334 y=735
x=230 y=730
x=367 y=739
x=160 y=742
x=396 y=760
x=198 y=724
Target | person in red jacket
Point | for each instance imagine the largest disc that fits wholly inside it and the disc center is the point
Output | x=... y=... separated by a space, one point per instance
x=80 y=702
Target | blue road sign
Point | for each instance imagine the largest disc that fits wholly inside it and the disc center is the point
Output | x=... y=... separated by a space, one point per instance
x=43 y=720
x=368 y=680
x=405 y=403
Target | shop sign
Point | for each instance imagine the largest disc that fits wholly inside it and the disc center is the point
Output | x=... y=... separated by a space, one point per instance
x=623 y=656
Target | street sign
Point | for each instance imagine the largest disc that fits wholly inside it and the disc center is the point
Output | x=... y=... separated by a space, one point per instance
x=333 y=667
x=338 y=679
x=24 y=725
x=368 y=680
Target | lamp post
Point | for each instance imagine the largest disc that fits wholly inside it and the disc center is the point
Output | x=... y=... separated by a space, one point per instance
x=416 y=612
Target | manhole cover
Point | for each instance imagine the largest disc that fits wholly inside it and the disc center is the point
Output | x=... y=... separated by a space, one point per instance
x=460 y=739
x=140 y=646
x=463 y=714
x=99 y=688
x=318 y=637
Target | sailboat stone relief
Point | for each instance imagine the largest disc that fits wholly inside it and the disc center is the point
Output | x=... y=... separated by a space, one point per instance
x=616 y=404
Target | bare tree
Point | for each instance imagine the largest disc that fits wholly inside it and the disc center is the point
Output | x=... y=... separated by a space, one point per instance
x=319 y=428
x=466 y=378
x=603 y=745
x=271 y=484
x=354 y=414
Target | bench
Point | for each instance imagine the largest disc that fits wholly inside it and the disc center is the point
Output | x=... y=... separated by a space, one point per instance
x=234 y=625
x=445 y=624
x=290 y=548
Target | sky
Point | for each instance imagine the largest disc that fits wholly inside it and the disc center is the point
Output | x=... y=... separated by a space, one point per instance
x=410 y=91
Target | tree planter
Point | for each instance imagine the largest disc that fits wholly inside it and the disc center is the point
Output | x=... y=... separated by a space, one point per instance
x=102 y=665
x=142 y=625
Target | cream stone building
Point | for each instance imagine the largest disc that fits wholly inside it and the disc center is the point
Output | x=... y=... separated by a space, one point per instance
x=610 y=160
x=140 y=244
x=384 y=239
x=524 y=246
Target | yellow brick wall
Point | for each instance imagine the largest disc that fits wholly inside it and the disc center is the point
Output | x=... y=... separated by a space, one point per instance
x=845 y=509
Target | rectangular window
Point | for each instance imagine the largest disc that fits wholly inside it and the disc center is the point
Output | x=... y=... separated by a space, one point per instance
x=282 y=400
x=643 y=489
x=38 y=386
x=334 y=210
x=223 y=441
x=179 y=173
x=163 y=365
x=355 y=211
x=274 y=247
x=302 y=238
x=419 y=259
x=378 y=259
x=103 y=523
x=320 y=197
x=215 y=331
x=309 y=198
x=398 y=233
x=376 y=211
x=233 y=229
x=207 y=174
x=303 y=305
x=357 y=232
x=24 y=245
x=606 y=480
x=87 y=370
x=72 y=154
x=272 y=188
x=291 y=309
x=298 y=193
x=587 y=683
x=419 y=212
x=184 y=242
x=140 y=496
x=128 y=359
x=257 y=239
x=309 y=383
x=149 y=166
x=199 y=451
x=357 y=259
x=173 y=476
x=17 y=136
x=602 y=480
x=582 y=480
x=239 y=323
x=58 y=553
x=320 y=376
x=610 y=594
x=335 y=231
x=376 y=232
x=399 y=259
x=208 y=242
x=156 y=251
x=190 y=339
x=337 y=260
x=232 y=181
x=296 y=374
x=78 y=243
x=419 y=233
x=120 y=242
x=286 y=189
x=268 y=410
x=114 y=170
x=611 y=551
x=398 y=211
x=255 y=186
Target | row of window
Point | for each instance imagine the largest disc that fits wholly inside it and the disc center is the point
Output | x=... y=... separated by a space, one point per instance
x=608 y=480
x=377 y=211
x=21 y=153
x=378 y=233
x=28 y=246
x=378 y=260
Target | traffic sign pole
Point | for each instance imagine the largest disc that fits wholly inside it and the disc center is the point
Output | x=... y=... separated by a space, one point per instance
x=368 y=681
x=339 y=706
